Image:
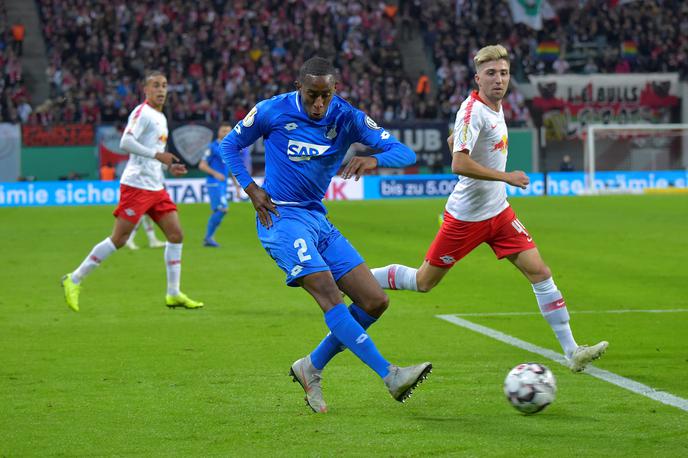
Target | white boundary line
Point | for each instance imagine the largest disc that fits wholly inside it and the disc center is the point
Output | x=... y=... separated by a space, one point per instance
x=614 y=379
x=574 y=312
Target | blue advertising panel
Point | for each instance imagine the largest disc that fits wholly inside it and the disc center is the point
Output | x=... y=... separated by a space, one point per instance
x=573 y=183
x=414 y=186
x=51 y=193
x=192 y=190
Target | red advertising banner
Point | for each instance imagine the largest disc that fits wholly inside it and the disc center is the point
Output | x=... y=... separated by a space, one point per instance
x=565 y=104
x=58 y=135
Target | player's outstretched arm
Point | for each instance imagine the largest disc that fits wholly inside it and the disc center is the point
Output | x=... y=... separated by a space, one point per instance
x=262 y=203
x=392 y=153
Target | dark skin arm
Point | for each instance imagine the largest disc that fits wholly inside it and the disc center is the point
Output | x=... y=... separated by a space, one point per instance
x=358 y=165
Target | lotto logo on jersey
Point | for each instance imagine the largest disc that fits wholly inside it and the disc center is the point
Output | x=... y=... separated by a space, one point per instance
x=302 y=151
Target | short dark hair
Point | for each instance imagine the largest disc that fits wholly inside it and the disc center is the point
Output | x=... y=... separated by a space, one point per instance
x=317 y=66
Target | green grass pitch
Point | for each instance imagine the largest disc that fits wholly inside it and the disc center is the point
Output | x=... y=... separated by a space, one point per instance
x=126 y=376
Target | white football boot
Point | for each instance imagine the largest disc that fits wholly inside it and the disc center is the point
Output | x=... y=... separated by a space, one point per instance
x=304 y=372
x=402 y=380
x=583 y=355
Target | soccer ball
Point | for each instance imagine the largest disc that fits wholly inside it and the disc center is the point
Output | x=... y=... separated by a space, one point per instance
x=530 y=387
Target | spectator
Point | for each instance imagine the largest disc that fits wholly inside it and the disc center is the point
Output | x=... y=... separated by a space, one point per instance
x=23 y=109
x=590 y=66
x=107 y=172
x=561 y=65
x=566 y=164
x=423 y=86
x=18 y=32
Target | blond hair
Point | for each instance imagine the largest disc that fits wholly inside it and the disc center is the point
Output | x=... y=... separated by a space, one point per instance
x=489 y=54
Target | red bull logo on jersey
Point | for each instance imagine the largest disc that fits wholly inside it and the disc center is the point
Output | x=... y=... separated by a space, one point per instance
x=302 y=151
x=502 y=145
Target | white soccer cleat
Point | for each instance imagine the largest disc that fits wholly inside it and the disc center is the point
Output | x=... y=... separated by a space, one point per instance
x=401 y=381
x=155 y=243
x=304 y=372
x=583 y=355
x=132 y=245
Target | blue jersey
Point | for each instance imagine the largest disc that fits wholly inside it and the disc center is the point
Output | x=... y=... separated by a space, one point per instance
x=303 y=154
x=213 y=157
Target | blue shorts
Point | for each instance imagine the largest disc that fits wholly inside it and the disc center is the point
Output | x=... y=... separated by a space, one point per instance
x=218 y=195
x=303 y=242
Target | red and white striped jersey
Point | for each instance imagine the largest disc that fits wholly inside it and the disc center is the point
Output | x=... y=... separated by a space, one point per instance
x=482 y=131
x=149 y=128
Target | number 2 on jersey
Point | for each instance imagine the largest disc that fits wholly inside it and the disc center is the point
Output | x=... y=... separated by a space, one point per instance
x=302 y=247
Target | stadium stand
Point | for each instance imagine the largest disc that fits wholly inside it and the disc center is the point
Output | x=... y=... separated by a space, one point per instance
x=98 y=50
x=222 y=57
x=14 y=106
x=583 y=38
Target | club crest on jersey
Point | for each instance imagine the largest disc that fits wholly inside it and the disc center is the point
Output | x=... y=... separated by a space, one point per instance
x=447 y=259
x=502 y=146
x=331 y=133
x=250 y=117
x=302 y=151
x=371 y=124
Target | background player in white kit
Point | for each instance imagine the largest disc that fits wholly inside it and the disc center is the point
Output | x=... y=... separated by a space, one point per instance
x=149 y=229
x=142 y=192
x=477 y=210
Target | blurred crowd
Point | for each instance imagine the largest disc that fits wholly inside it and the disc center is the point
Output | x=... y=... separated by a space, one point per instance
x=584 y=37
x=222 y=57
x=14 y=106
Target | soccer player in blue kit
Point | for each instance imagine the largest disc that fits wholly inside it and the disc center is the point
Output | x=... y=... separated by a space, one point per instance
x=216 y=183
x=307 y=133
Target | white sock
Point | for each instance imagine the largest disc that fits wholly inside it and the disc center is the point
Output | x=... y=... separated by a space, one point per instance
x=173 y=262
x=396 y=276
x=553 y=308
x=97 y=255
x=149 y=228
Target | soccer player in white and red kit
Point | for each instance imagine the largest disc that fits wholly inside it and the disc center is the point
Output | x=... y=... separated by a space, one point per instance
x=477 y=210
x=142 y=193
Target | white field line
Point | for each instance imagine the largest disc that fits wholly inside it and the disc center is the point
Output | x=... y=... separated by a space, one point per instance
x=574 y=312
x=614 y=379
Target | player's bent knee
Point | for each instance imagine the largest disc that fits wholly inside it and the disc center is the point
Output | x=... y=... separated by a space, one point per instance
x=542 y=273
x=175 y=237
x=377 y=305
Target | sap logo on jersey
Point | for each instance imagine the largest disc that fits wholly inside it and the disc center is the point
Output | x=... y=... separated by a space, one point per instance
x=302 y=151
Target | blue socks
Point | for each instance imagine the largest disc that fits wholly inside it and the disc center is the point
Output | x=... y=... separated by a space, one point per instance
x=214 y=221
x=348 y=327
x=330 y=345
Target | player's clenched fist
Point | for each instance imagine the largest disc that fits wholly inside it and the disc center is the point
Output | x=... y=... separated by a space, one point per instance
x=518 y=178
